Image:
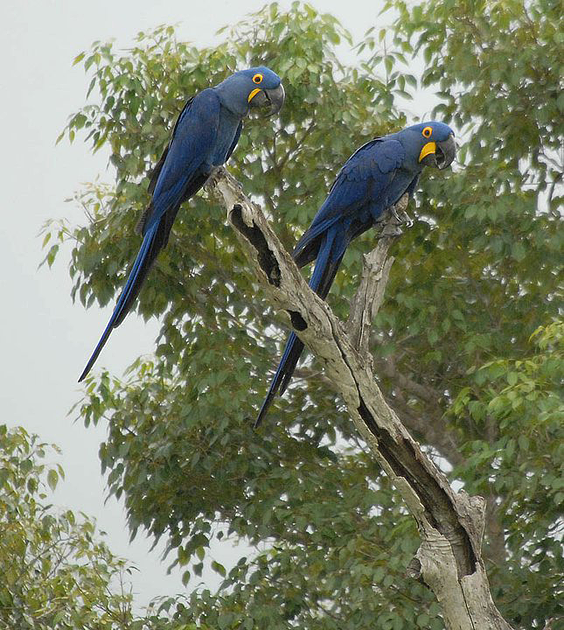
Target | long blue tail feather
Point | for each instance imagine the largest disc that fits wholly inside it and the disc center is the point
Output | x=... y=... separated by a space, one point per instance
x=137 y=275
x=321 y=280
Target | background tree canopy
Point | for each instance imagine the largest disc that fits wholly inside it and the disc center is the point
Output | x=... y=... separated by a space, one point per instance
x=466 y=344
x=55 y=573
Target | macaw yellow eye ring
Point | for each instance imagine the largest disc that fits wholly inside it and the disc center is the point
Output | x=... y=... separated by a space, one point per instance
x=427 y=132
x=257 y=78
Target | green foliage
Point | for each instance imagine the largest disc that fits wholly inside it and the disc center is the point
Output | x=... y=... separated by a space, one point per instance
x=55 y=573
x=523 y=400
x=473 y=279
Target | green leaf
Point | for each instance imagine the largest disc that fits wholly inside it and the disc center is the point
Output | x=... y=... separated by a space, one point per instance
x=52 y=479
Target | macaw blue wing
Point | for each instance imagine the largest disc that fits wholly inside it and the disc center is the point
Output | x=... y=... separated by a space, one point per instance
x=187 y=156
x=358 y=185
x=157 y=170
x=180 y=173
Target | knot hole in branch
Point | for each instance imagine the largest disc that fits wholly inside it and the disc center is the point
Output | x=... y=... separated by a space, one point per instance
x=265 y=257
x=298 y=322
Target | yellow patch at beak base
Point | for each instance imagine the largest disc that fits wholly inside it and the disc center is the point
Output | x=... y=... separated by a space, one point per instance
x=429 y=148
x=253 y=94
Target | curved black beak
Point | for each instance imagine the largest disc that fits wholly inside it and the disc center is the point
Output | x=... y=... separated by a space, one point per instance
x=438 y=154
x=274 y=98
x=445 y=152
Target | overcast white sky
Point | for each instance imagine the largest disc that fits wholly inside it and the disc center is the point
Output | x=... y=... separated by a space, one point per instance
x=45 y=339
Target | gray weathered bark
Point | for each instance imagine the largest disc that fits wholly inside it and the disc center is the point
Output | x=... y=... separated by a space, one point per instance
x=451 y=525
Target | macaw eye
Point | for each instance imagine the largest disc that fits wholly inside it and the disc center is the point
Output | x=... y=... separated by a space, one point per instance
x=257 y=78
x=427 y=132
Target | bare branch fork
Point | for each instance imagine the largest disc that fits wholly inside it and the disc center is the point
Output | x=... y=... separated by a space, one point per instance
x=451 y=525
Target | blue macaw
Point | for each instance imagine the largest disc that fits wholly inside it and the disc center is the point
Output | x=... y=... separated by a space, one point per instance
x=373 y=179
x=203 y=138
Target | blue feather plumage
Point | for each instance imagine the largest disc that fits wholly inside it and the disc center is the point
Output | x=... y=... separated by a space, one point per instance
x=203 y=138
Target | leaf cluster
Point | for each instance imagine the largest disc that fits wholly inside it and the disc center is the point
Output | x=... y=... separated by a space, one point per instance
x=56 y=573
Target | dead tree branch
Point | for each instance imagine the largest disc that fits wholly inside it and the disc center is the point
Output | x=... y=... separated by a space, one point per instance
x=449 y=560
x=375 y=273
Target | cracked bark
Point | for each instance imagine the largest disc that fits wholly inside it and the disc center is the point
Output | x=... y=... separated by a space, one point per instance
x=449 y=560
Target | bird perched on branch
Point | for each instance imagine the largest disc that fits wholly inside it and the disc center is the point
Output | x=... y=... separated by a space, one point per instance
x=373 y=179
x=205 y=135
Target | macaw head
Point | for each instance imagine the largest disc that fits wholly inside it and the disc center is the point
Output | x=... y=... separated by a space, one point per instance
x=432 y=143
x=255 y=87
